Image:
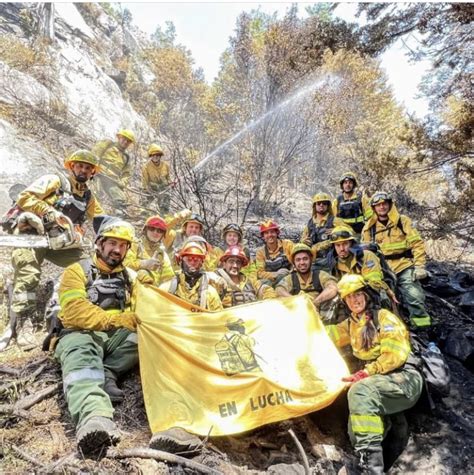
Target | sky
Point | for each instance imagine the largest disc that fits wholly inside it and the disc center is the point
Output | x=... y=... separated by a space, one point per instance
x=205 y=27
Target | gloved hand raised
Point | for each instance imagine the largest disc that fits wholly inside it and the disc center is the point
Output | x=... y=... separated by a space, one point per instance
x=150 y=264
x=420 y=273
x=128 y=320
x=353 y=378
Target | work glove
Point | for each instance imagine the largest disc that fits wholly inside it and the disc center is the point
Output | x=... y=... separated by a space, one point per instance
x=150 y=264
x=128 y=320
x=282 y=273
x=353 y=378
x=185 y=213
x=55 y=216
x=420 y=273
x=29 y=220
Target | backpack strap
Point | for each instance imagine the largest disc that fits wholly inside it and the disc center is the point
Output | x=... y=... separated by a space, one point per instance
x=203 y=290
x=317 y=281
x=400 y=226
x=86 y=265
x=295 y=283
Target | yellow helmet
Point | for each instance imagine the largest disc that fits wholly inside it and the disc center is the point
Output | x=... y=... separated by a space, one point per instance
x=341 y=234
x=350 y=176
x=83 y=156
x=321 y=197
x=194 y=218
x=155 y=149
x=300 y=247
x=111 y=227
x=349 y=284
x=380 y=197
x=128 y=134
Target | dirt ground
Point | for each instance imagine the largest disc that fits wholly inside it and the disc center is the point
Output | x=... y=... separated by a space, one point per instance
x=41 y=439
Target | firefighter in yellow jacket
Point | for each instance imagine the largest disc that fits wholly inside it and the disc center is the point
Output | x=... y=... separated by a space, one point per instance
x=389 y=382
x=45 y=204
x=156 y=177
x=192 y=283
x=239 y=288
x=351 y=205
x=148 y=255
x=98 y=343
x=117 y=168
x=319 y=227
x=404 y=250
x=273 y=260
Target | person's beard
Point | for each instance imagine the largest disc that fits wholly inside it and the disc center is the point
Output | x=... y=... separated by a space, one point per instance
x=191 y=276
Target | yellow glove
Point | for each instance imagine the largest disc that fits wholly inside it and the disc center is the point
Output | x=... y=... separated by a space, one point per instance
x=128 y=320
x=185 y=213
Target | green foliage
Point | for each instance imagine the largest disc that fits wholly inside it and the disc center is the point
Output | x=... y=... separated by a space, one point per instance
x=164 y=38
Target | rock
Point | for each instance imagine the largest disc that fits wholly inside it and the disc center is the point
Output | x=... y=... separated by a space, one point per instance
x=467 y=302
x=460 y=345
x=327 y=451
x=277 y=456
x=286 y=469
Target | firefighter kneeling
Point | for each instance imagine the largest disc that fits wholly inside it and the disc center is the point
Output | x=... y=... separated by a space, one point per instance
x=98 y=342
x=389 y=383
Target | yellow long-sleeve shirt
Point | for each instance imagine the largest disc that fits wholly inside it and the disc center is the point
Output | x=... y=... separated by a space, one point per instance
x=155 y=176
x=393 y=241
x=77 y=311
x=284 y=245
x=115 y=163
x=41 y=196
x=389 y=349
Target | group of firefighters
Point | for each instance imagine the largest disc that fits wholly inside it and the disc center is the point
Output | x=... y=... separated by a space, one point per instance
x=358 y=259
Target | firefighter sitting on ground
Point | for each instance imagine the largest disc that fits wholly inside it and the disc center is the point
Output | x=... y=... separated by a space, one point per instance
x=156 y=178
x=47 y=204
x=98 y=343
x=232 y=235
x=117 y=168
x=192 y=285
x=239 y=288
x=346 y=257
x=319 y=227
x=352 y=206
x=148 y=255
x=389 y=382
x=273 y=259
x=404 y=250
x=318 y=284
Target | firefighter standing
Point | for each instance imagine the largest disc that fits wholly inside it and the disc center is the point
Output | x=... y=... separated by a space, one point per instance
x=48 y=200
x=352 y=206
x=388 y=384
x=404 y=250
x=98 y=343
x=319 y=227
x=156 y=177
x=117 y=168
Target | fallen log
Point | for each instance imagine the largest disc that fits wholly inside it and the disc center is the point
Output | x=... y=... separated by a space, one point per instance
x=162 y=457
x=26 y=403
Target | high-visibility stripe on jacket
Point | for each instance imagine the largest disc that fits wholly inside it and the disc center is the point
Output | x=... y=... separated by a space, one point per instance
x=396 y=237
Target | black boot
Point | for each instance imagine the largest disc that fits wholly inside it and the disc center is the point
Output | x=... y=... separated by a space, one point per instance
x=114 y=392
x=371 y=461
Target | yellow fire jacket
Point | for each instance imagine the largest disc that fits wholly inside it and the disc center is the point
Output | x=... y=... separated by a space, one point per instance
x=284 y=245
x=116 y=164
x=366 y=208
x=155 y=176
x=193 y=294
x=320 y=223
x=369 y=267
x=247 y=284
x=145 y=249
x=77 y=312
x=41 y=196
x=390 y=346
x=400 y=242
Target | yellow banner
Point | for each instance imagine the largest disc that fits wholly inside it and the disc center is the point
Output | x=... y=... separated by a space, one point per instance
x=231 y=371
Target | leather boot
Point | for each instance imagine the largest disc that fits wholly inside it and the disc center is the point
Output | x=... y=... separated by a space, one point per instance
x=25 y=335
x=175 y=440
x=371 y=461
x=95 y=435
x=114 y=392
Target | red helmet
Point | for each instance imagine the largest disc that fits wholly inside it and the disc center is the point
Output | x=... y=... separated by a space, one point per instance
x=268 y=225
x=235 y=251
x=156 y=222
